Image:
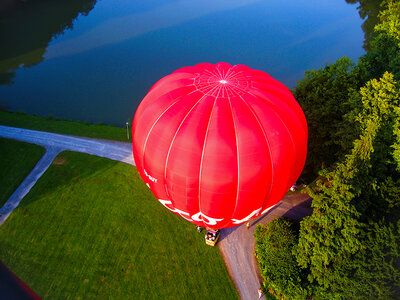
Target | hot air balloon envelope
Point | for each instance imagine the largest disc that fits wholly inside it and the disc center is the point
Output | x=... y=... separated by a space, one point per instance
x=219 y=144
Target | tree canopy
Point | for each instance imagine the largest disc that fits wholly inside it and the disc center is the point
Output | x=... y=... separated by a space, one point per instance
x=349 y=248
x=352 y=199
x=390 y=20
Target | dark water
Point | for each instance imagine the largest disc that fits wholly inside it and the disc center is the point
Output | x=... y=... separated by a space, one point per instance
x=95 y=61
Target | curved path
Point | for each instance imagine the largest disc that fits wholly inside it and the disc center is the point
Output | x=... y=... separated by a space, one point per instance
x=110 y=149
x=236 y=244
x=54 y=144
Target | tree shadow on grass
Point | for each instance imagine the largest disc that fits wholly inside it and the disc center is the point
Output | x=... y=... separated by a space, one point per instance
x=18 y=160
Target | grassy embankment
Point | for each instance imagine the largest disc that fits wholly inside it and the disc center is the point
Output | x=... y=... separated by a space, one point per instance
x=17 y=159
x=63 y=126
x=90 y=228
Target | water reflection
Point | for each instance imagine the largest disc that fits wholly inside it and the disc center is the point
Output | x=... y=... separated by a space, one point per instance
x=368 y=10
x=139 y=23
x=100 y=70
x=26 y=28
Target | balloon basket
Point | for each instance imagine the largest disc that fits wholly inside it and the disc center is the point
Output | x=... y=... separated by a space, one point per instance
x=212 y=237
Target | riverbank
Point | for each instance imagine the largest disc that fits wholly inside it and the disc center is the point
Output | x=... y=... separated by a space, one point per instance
x=50 y=124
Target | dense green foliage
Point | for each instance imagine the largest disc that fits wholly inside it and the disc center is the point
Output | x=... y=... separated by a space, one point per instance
x=91 y=229
x=350 y=245
x=326 y=96
x=384 y=57
x=280 y=271
x=17 y=160
x=348 y=203
x=331 y=100
x=63 y=126
x=390 y=20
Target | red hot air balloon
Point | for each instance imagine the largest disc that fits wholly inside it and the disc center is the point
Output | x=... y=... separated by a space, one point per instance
x=219 y=144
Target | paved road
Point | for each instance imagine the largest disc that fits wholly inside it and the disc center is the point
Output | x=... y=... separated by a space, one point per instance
x=28 y=183
x=54 y=144
x=113 y=150
x=236 y=244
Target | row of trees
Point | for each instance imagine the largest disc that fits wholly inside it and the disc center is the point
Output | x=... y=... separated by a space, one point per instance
x=349 y=248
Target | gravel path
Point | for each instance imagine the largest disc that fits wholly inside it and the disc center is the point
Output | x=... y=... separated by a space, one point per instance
x=236 y=244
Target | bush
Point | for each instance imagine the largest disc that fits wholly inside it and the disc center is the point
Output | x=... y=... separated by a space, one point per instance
x=282 y=276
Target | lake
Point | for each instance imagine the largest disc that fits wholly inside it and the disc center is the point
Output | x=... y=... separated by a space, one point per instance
x=95 y=60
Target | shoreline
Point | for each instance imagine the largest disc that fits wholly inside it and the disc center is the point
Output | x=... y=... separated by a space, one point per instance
x=68 y=127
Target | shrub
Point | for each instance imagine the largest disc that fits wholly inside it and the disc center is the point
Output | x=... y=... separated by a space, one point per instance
x=274 y=244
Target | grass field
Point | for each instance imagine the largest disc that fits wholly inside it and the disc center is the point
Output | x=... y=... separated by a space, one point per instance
x=65 y=127
x=90 y=228
x=17 y=160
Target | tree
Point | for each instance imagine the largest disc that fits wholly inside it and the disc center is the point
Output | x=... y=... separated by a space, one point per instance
x=335 y=242
x=330 y=96
x=383 y=57
x=326 y=96
x=385 y=51
x=350 y=245
x=374 y=270
x=390 y=20
x=278 y=265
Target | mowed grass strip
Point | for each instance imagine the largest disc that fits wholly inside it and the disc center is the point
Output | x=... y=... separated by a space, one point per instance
x=17 y=159
x=90 y=228
x=23 y=120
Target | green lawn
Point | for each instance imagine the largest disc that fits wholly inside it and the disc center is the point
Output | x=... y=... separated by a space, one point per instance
x=65 y=127
x=90 y=228
x=17 y=160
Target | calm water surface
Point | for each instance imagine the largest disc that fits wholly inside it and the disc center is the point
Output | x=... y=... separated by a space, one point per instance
x=95 y=61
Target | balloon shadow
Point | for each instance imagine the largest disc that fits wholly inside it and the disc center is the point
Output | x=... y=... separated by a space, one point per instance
x=260 y=218
x=298 y=212
x=225 y=232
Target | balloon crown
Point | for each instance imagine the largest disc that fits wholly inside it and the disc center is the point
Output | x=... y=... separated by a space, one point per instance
x=222 y=82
